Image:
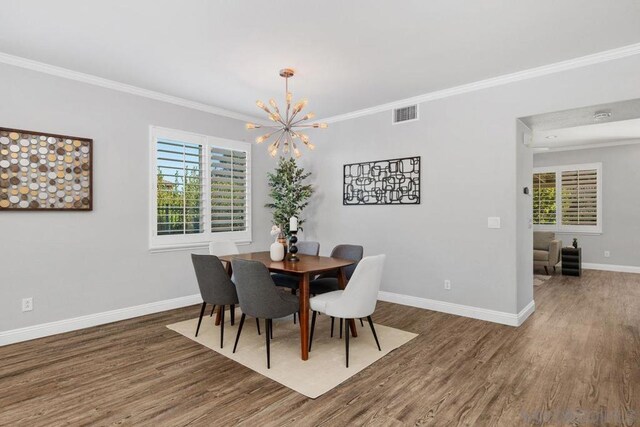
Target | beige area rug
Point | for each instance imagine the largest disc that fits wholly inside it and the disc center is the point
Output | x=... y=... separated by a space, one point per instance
x=325 y=368
x=540 y=279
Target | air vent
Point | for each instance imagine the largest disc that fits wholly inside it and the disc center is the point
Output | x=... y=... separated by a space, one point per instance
x=405 y=114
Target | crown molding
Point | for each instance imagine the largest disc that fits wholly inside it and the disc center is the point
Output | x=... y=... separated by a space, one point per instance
x=53 y=70
x=583 y=61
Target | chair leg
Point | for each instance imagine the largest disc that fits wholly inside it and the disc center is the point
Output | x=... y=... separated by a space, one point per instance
x=258 y=325
x=361 y=322
x=222 y=326
x=239 y=331
x=232 y=310
x=294 y=318
x=346 y=339
x=554 y=268
x=341 y=320
x=333 y=319
x=271 y=328
x=546 y=270
x=313 y=326
x=374 y=332
x=204 y=305
x=212 y=310
x=267 y=335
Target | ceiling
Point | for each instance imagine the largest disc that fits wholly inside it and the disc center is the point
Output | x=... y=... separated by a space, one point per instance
x=348 y=55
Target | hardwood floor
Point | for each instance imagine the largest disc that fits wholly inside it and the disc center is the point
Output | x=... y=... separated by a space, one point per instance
x=576 y=361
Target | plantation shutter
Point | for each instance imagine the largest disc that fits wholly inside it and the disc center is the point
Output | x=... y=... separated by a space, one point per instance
x=179 y=188
x=228 y=190
x=544 y=198
x=580 y=197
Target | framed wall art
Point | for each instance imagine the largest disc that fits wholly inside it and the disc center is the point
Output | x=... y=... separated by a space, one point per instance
x=382 y=182
x=45 y=172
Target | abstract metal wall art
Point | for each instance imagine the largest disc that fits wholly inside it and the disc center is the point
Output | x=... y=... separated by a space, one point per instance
x=44 y=172
x=382 y=182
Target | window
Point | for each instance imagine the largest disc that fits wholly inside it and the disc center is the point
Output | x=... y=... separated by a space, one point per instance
x=568 y=198
x=200 y=189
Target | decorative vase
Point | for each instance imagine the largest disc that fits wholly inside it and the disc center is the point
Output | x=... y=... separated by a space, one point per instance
x=575 y=243
x=282 y=239
x=276 y=251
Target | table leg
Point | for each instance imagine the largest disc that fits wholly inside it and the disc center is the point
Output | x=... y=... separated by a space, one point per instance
x=304 y=316
x=227 y=267
x=342 y=282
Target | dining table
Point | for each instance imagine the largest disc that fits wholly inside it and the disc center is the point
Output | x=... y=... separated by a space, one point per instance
x=305 y=268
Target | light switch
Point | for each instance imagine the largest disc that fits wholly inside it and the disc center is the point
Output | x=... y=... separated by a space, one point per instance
x=493 y=222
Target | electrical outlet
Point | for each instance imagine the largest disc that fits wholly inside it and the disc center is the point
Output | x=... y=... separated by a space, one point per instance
x=447 y=285
x=607 y=254
x=27 y=304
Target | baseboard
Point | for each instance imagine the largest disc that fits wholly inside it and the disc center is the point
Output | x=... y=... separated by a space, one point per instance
x=526 y=312
x=73 y=324
x=504 y=318
x=611 y=267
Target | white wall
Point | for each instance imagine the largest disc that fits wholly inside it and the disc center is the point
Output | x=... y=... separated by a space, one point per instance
x=80 y=263
x=472 y=169
x=620 y=203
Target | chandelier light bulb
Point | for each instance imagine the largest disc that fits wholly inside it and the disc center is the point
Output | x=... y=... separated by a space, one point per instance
x=285 y=125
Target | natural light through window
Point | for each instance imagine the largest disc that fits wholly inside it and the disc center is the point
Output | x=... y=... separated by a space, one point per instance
x=568 y=198
x=200 y=189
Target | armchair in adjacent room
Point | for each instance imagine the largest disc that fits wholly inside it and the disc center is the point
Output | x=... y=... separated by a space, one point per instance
x=546 y=249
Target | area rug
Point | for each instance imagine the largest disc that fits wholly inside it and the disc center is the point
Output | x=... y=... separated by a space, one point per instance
x=325 y=368
x=540 y=279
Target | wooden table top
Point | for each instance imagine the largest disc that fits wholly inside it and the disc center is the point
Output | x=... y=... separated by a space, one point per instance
x=307 y=263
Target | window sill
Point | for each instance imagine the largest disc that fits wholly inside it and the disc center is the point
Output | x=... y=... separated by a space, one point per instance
x=186 y=247
x=567 y=232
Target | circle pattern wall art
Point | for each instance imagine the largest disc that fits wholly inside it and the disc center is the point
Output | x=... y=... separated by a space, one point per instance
x=41 y=171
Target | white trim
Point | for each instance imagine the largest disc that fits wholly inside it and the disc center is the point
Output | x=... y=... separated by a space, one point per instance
x=504 y=318
x=583 y=61
x=53 y=70
x=526 y=312
x=73 y=324
x=199 y=240
x=611 y=267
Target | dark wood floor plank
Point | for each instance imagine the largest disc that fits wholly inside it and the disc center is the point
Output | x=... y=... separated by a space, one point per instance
x=576 y=361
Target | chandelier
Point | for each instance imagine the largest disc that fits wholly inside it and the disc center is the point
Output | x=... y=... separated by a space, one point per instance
x=286 y=132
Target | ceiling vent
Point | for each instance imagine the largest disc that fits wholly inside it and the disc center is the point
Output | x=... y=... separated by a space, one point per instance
x=405 y=114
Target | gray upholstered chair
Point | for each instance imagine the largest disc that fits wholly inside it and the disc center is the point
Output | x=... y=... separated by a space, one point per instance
x=546 y=249
x=216 y=287
x=328 y=282
x=292 y=282
x=260 y=298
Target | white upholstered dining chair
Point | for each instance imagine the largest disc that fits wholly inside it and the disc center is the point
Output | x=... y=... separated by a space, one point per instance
x=357 y=300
